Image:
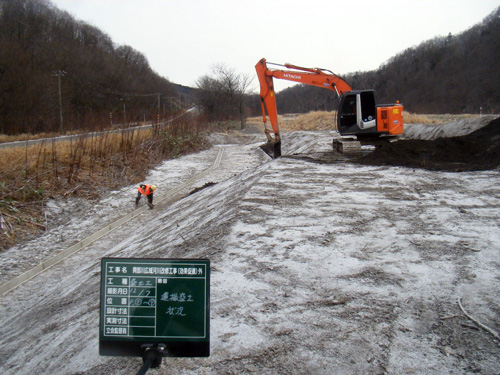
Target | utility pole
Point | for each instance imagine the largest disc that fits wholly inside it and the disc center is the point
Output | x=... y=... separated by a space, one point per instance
x=59 y=74
x=124 y=112
x=158 y=114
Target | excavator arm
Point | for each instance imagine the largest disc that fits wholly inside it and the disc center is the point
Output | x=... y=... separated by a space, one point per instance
x=310 y=76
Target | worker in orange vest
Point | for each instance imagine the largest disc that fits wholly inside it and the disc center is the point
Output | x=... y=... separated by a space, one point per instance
x=148 y=191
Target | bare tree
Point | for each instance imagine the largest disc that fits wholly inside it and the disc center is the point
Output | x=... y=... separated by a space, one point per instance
x=236 y=88
x=224 y=95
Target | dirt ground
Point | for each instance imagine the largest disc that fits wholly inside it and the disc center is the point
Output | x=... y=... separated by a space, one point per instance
x=479 y=150
x=319 y=264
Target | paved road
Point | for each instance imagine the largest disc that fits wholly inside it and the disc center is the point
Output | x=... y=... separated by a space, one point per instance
x=32 y=142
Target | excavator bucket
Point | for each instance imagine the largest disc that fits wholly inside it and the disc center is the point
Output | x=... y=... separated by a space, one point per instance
x=273 y=149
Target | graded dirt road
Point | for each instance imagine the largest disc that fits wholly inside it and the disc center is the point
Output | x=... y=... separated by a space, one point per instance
x=319 y=265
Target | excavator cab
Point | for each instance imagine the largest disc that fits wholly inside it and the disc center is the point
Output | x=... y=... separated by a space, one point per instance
x=359 y=115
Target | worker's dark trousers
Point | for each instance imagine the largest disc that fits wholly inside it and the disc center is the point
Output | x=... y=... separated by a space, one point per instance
x=139 y=195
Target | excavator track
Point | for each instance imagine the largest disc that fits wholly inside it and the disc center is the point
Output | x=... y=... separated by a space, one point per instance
x=347 y=146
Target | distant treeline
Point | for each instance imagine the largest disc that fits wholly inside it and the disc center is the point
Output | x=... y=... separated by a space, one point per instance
x=100 y=82
x=452 y=74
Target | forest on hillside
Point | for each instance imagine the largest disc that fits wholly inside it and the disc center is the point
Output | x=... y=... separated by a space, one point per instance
x=448 y=74
x=55 y=70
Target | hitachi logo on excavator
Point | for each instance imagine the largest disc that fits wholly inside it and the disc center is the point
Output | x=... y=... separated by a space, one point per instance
x=293 y=76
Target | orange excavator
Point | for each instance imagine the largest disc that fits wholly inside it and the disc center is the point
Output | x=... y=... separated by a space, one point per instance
x=357 y=115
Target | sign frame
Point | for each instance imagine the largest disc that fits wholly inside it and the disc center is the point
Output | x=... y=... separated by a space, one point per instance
x=147 y=302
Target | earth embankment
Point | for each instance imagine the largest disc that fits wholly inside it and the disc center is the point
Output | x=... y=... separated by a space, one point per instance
x=479 y=150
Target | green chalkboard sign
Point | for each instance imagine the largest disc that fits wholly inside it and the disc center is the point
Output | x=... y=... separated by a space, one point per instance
x=155 y=301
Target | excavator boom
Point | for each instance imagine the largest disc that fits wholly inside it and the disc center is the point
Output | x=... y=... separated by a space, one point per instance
x=310 y=76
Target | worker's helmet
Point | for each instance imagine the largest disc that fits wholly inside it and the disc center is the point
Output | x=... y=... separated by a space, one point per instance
x=153 y=187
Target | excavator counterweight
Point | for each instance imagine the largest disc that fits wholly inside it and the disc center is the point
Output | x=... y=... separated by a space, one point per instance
x=357 y=115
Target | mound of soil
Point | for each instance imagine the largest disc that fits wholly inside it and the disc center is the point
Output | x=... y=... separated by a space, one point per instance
x=195 y=190
x=476 y=151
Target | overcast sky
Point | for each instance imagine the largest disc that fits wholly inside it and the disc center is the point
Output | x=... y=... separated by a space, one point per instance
x=183 y=39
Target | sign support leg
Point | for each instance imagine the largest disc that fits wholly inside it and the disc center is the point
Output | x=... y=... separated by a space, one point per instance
x=151 y=357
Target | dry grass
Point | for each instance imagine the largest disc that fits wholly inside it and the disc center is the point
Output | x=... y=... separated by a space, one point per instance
x=84 y=167
x=323 y=120
x=320 y=120
x=413 y=118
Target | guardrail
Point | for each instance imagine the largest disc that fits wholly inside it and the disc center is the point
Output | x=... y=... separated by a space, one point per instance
x=31 y=142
